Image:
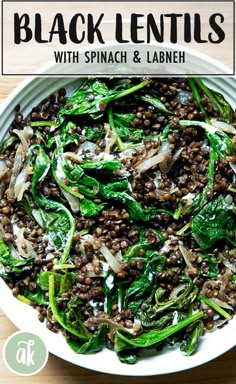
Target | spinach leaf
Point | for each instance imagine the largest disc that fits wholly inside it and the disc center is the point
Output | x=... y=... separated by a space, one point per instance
x=93 y=345
x=64 y=282
x=193 y=332
x=7 y=143
x=13 y=264
x=43 y=123
x=37 y=296
x=122 y=126
x=124 y=119
x=134 y=208
x=220 y=143
x=218 y=101
x=93 y=96
x=27 y=203
x=57 y=225
x=64 y=135
x=89 y=209
x=148 y=322
x=43 y=279
x=5 y=252
x=107 y=166
x=41 y=168
x=142 y=244
x=155 y=102
x=127 y=357
x=136 y=136
x=126 y=341
x=92 y=188
x=185 y=298
x=212 y=266
x=75 y=326
x=219 y=140
x=112 y=124
x=94 y=133
x=142 y=288
x=57 y=172
x=57 y=219
x=60 y=226
x=89 y=186
x=61 y=167
x=202 y=198
x=197 y=97
x=214 y=223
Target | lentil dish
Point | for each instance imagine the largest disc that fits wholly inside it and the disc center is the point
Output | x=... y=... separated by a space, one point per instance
x=118 y=214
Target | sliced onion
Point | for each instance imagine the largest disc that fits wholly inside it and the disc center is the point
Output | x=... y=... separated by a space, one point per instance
x=4 y=172
x=20 y=241
x=85 y=238
x=108 y=157
x=2 y=232
x=87 y=147
x=29 y=132
x=3 y=169
x=147 y=164
x=233 y=166
x=183 y=97
x=185 y=255
x=38 y=218
x=213 y=283
x=2 y=189
x=173 y=190
x=166 y=164
x=118 y=256
x=126 y=154
x=22 y=138
x=72 y=200
x=223 y=126
x=229 y=265
x=30 y=170
x=189 y=196
x=158 y=177
x=14 y=252
x=93 y=274
x=113 y=325
x=95 y=190
x=171 y=163
x=177 y=153
x=19 y=159
x=24 y=135
x=113 y=263
x=110 y=138
x=73 y=157
x=166 y=247
x=221 y=303
x=160 y=158
x=152 y=152
x=21 y=185
x=146 y=154
x=228 y=199
x=217 y=324
x=176 y=291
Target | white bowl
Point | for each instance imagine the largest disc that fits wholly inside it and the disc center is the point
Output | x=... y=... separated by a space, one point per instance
x=29 y=94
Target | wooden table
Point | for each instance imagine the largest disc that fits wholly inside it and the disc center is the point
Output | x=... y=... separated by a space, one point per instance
x=57 y=371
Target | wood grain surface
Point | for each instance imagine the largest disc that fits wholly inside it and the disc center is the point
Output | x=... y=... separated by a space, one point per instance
x=219 y=371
